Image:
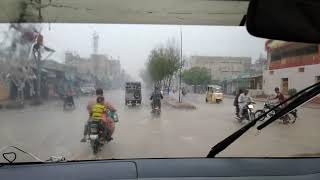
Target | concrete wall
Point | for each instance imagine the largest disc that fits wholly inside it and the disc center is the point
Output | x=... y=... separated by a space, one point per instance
x=4 y=91
x=222 y=67
x=297 y=80
x=256 y=92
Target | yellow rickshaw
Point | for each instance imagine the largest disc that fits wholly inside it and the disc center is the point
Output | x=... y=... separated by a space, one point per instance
x=214 y=94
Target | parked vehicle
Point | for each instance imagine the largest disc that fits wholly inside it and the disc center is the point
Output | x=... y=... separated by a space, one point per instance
x=133 y=93
x=290 y=117
x=87 y=90
x=214 y=94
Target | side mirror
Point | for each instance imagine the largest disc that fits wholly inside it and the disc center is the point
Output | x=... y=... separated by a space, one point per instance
x=294 y=20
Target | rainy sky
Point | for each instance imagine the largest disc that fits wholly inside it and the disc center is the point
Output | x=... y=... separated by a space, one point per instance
x=132 y=43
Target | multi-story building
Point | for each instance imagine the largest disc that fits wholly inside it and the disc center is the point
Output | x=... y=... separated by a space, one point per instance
x=82 y=65
x=115 y=69
x=102 y=67
x=97 y=64
x=222 y=68
x=291 y=66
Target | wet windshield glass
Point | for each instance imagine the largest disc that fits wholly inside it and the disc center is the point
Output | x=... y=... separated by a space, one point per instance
x=148 y=86
x=217 y=90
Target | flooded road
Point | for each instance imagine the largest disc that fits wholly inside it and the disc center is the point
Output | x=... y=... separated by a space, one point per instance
x=47 y=130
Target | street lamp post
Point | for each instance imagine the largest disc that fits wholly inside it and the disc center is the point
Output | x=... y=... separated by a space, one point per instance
x=38 y=60
x=180 y=100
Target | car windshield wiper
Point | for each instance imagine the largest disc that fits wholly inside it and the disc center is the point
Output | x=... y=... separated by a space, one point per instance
x=296 y=100
x=13 y=156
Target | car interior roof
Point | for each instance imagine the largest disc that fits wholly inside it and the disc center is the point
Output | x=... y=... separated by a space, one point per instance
x=178 y=12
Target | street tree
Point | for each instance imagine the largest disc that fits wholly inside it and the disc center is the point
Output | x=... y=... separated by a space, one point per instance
x=163 y=63
x=196 y=76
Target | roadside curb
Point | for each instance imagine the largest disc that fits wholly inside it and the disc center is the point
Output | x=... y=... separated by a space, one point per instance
x=12 y=106
x=175 y=104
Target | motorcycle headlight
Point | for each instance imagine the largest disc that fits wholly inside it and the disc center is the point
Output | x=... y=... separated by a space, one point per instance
x=250 y=106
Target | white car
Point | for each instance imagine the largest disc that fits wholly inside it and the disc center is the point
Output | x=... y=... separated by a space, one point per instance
x=87 y=90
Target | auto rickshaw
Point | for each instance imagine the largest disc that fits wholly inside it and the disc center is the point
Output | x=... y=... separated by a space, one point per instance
x=214 y=94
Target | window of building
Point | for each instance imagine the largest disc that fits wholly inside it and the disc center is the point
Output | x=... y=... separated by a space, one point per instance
x=271 y=72
x=301 y=69
x=317 y=79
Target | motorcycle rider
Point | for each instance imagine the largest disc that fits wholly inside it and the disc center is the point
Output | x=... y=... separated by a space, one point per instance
x=280 y=97
x=98 y=112
x=69 y=97
x=156 y=97
x=236 y=103
x=243 y=100
x=109 y=124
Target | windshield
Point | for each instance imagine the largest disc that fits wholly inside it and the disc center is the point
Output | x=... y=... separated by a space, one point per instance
x=217 y=90
x=50 y=74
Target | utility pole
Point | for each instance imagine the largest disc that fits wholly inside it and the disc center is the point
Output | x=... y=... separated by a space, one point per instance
x=38 y=60
x=95 y=42
x=180 y=100
x=37 y=57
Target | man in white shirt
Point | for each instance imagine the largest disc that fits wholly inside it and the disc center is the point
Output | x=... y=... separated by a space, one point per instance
x=243 y=100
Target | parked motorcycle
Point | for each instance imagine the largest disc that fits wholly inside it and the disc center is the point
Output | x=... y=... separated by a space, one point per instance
x=248 y=112
x=290 y=117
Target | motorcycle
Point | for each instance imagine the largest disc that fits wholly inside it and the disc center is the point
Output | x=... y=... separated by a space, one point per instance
x=156 y=103
x=97 y=132
x=156 y=107
x=96 y=135
x=248 y=112
x=68 y=103
x=291 y=117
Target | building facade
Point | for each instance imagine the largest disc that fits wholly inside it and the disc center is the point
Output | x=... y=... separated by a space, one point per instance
x=222 y=68
x=104 y=69
x=291 y=66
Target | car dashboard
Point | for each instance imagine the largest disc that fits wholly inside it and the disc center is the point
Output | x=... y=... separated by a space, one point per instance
x=194 y=168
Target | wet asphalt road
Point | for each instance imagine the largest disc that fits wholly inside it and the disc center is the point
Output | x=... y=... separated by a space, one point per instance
x=47 y=130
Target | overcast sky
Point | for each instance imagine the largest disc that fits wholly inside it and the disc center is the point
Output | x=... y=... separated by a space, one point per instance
x=132 y=43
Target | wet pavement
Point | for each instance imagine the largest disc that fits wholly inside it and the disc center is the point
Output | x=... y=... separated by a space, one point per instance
x=47 y=130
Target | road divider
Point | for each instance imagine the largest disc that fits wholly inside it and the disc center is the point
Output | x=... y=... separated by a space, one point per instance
x=173 y=102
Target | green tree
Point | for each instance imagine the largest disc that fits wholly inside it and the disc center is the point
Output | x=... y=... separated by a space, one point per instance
x=196 y=76
x=163 y=63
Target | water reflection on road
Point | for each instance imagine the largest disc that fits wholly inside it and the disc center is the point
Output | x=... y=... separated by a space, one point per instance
x=48 y=130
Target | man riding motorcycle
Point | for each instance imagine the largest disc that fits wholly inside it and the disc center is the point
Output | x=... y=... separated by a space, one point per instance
x=236 y=103
x=280 y=97
x=243 y=100
x=68 y=97
x=109 y=124
x=156 y=98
